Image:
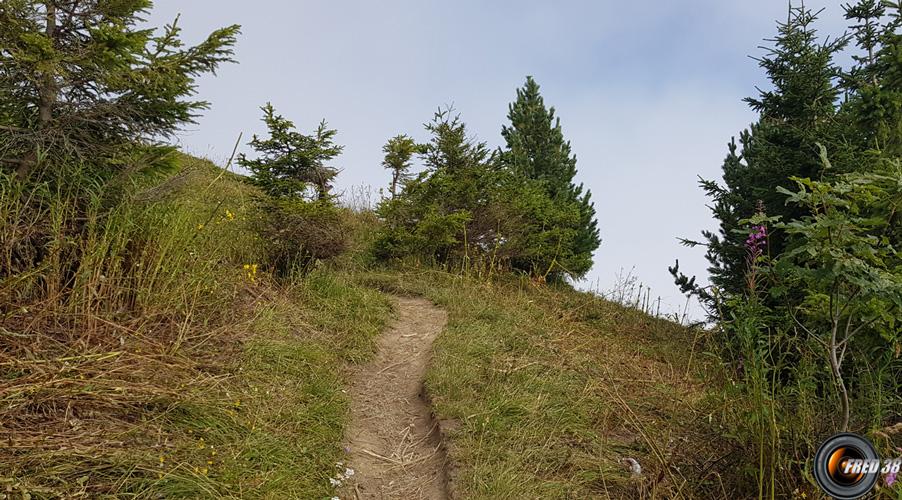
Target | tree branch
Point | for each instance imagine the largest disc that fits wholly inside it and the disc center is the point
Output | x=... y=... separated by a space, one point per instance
x=10 y=128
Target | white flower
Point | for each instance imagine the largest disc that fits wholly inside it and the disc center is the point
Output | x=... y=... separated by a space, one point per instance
x=334 y=482
x=349 y=472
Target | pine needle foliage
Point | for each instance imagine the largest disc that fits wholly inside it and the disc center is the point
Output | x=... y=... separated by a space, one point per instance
x=82 y=81
x=291 y=164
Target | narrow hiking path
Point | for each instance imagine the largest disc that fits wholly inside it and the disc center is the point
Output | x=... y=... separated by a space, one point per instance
x=395 y=445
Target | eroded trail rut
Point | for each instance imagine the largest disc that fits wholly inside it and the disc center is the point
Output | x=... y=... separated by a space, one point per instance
x=395 y=444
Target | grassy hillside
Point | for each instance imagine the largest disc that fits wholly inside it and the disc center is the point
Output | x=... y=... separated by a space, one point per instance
x=177 y=366
x=545 y=392
x=172 y=365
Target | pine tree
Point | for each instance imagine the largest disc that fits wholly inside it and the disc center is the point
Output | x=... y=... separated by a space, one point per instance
x=291 y=164
x=874 y=83
x=794 y=117
x=536 y=148
x=537 y=152
x=874 y=107
x=399 y=151
x=80 y=81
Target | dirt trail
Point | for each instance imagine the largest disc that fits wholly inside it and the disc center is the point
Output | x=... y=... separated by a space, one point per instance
x=395 y=445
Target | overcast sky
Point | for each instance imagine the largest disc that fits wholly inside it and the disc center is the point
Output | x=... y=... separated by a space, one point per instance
x=648 y=93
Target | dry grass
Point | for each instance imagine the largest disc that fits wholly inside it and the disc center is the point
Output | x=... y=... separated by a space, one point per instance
x=139 y=357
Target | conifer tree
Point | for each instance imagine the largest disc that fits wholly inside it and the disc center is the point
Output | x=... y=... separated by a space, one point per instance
x=796 y=115
x=463 y=162
x=874 y=107
x=536 y=148
x=537 y=152
x=450 y=149
x=874 y=83
x=399 y=151
x=81 y=81
x=291 y=164
x=446 y=209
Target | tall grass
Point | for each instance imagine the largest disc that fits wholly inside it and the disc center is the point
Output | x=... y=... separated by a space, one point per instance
x=101 y=296
x=71 y=254
x=784 y=403
x=137 y=323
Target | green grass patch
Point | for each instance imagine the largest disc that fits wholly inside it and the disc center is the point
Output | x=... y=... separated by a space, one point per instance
x=277 y=433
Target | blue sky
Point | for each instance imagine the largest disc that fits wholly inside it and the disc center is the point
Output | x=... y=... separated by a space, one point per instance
x=648 y=93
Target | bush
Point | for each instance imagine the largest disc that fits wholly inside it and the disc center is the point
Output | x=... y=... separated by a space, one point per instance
x=298 y=233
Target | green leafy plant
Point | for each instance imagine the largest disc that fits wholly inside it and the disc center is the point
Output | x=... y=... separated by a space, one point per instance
x=845 y=264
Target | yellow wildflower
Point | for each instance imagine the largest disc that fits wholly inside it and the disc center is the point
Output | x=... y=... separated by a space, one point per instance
x=251 y=271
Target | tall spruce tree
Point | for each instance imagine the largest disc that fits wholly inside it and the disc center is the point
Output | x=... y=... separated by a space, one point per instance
x=874 y=107
x=874 y=83
x=796 y=115
x=537 y=152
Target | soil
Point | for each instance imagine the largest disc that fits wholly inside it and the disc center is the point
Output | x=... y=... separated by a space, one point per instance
x=394 y=442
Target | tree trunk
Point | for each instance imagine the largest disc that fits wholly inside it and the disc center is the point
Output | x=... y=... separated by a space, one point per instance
x=47 y=93
x=47 y=90
x=837 y=374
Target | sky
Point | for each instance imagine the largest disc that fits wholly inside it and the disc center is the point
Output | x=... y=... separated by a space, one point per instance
x=648 y=93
